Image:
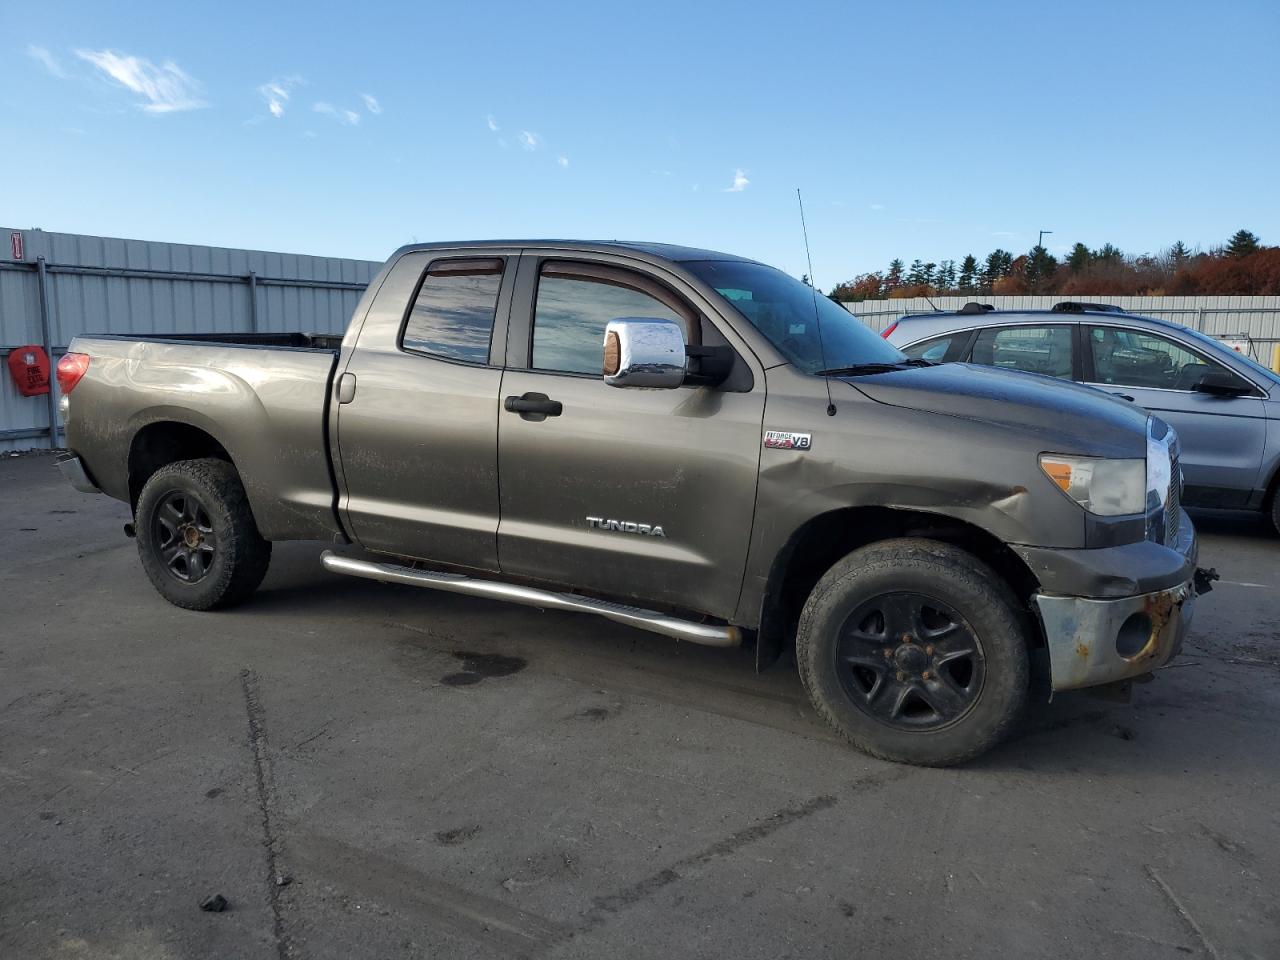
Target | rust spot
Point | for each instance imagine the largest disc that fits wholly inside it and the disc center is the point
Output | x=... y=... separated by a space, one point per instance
x=1082 y=650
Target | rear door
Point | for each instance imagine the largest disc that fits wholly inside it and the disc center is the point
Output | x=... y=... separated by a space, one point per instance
x=673 y=469
x=417 y=420
x=1222 y=437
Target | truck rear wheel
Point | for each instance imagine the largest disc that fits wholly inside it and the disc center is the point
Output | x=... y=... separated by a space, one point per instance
x=914 y=651
x=197 y=537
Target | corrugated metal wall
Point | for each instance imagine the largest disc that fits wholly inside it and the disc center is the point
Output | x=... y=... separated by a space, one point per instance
x=109 y=285
x=1257 y=317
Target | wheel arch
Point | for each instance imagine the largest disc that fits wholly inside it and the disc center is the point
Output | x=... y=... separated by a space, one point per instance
x=817 y=544
x=162 y=442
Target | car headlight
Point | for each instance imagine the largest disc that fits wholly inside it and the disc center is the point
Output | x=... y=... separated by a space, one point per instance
x=1108 y=488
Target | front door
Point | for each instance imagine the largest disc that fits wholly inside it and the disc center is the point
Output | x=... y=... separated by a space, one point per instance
x=625 y=492
x=417 y=414
x=1222 y=438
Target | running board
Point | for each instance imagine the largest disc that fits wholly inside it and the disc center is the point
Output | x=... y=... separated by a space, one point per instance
x=705 y=633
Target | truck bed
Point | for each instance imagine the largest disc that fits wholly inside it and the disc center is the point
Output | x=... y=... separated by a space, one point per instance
x=263 y=398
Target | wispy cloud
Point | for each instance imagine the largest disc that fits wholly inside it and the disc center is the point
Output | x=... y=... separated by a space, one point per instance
x=1003 y=233
x=740 y=182
x=371 y=103
x=276 y=94
x=563 y=161
x=530 y=140
x=492 y=124
x=877 y=206
x=165 y=88
x=47 y=60
x=346 y=117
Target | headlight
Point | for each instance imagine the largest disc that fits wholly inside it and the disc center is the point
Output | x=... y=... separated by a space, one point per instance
x=1109 y=488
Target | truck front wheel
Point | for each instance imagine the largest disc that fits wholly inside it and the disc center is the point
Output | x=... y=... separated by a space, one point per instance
x=914 y=651
x=197 y=537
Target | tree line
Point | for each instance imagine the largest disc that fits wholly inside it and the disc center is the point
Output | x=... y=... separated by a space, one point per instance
x=1242 y=266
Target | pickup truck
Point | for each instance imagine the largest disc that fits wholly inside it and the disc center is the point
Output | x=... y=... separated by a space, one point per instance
x=685 y=441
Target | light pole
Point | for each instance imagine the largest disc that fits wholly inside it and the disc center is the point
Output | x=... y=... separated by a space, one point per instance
x=1040 y=242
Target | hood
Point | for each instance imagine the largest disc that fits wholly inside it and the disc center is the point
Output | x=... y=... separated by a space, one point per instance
x=1071 y=418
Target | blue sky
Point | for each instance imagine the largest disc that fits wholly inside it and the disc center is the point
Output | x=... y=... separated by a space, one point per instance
x=914 y=129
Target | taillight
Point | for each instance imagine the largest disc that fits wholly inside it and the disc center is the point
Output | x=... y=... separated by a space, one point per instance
x=889 y=329
x=71 y=368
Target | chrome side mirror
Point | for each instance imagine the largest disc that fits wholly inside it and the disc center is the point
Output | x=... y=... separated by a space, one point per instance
x=644 y=352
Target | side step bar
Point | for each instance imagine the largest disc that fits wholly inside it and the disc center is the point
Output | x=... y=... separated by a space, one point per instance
x=711 y=635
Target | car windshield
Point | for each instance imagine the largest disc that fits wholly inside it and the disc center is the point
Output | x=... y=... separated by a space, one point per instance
x=782 y=309
x=1270 y=375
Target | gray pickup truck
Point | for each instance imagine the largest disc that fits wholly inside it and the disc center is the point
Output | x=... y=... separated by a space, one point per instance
x=684 y=441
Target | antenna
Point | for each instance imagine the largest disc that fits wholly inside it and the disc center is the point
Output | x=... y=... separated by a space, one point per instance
x=817 y=319
x=931 y=303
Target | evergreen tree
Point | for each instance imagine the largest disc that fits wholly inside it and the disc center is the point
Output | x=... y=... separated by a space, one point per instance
x=997 y=265
x=1108 y=252
x=1078 y=258
x=1041 y=265
x=946 y=275
x=1242 y=243
x=893 y=279
x=929 y=276
x=1178 y=254
x=968 y=272
x=915 y=275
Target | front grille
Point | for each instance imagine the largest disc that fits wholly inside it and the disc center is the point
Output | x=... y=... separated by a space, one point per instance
x=1173 y=505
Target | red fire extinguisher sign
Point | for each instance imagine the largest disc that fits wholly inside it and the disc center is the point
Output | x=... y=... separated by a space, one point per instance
x=29 y=367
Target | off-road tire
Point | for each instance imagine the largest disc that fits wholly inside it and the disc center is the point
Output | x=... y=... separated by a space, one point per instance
x=239 y=556
x=939 y=572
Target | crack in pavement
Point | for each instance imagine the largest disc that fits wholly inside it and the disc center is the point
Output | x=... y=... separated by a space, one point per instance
x=1185 y=916
x=266 y=800
x=604 y=907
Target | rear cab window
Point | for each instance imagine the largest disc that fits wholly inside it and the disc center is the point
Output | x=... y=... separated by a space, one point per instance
x=454 y=309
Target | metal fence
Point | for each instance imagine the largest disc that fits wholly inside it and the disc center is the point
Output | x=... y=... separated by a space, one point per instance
x=1254 y=318
x=54 y=286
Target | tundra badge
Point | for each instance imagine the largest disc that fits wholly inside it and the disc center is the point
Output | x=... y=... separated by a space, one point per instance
x=625 y=526
x=785 y=440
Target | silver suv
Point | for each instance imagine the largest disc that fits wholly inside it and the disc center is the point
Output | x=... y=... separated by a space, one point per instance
x=1225 y=406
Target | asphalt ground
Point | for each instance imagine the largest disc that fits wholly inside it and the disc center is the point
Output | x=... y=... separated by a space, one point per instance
x=364 y=770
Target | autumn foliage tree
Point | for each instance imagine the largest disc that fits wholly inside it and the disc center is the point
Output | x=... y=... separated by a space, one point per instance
x=1243 y=266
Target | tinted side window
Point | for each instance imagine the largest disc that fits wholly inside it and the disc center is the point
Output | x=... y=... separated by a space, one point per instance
x=1044 y=350
x=1135 y=358
x=572 y=312
x=453 y=312
x=935 y=349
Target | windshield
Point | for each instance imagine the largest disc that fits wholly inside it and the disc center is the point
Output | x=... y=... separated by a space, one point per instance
x=782 y=309
x=1270 y=375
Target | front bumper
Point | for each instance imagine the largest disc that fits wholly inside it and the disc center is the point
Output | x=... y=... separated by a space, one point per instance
x=73 y=472
x=1093 y=641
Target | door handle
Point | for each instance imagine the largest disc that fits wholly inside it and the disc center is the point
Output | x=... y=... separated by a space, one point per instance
x=534 y=406
x=1122 y=396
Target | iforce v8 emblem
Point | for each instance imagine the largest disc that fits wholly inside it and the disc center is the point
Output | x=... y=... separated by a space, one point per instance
x=785 y=440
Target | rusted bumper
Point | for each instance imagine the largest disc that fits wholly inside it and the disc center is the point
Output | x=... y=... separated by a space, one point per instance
x=1094 y=641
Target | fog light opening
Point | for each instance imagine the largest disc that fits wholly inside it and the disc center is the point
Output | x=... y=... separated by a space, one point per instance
x=1133 y=635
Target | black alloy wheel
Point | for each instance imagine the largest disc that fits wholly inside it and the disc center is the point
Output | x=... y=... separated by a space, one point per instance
x=910 y=661
x=184 y=536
